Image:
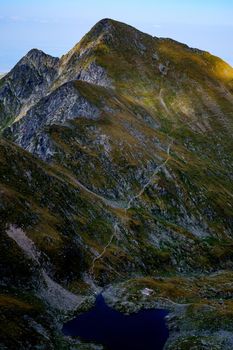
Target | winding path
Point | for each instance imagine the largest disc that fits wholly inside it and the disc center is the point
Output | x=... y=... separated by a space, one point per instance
x=129 y=206
x=115 y=229
x=162 y=102
x=108 y=202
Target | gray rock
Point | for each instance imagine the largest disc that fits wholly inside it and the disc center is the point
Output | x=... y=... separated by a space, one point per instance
x=65 y=103
x=25 y=84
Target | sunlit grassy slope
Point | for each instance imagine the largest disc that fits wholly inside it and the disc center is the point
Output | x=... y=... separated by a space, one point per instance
x=157 y=102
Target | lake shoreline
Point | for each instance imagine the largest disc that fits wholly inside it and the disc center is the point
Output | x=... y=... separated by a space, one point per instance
x=106 y=326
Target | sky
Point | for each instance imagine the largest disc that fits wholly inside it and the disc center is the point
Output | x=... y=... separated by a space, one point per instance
x=55 y=26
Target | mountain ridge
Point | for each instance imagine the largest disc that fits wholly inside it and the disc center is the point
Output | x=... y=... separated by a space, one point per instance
x=116 y=175
x=34 y=73
x=95 y=70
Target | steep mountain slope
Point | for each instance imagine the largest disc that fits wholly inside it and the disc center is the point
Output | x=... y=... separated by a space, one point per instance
x=47 y=226
x=63 y=104
x=27 y=82
x=138 y=191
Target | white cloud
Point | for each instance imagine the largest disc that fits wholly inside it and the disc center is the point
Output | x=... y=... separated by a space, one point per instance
x=29 y=19
x=16 y=18
x=40 y=20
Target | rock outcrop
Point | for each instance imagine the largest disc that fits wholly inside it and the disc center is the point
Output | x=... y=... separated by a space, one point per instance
x=116 y=164
x=60 y=106
x=25 y=84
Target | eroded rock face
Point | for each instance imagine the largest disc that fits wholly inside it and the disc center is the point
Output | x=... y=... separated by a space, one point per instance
x=66 y=103
x=96 y=75
x=137 y=132
x=151 y=120
x=27 y=82
x=80 y=63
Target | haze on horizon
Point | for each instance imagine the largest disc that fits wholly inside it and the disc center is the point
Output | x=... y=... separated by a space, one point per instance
x=55 y=26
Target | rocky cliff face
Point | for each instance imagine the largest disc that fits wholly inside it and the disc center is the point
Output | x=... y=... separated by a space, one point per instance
x=60 y=106
x=124 y=176
x=27 y=82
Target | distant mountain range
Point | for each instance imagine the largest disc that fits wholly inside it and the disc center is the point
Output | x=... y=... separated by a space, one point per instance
x=116 y=172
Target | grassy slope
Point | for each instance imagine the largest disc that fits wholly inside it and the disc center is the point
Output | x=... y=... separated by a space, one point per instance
x=130 y=161
x=48 y=208
x=196 y=111
x=193 y=199
x=66 y=222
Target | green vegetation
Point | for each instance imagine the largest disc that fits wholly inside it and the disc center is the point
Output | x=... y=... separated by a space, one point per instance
x=160 y=103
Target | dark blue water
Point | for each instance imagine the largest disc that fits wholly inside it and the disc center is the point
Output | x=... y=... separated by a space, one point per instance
x=145 y=330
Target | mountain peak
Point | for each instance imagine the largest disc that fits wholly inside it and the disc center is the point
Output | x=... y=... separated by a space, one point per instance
x=26 y=83
x=128 y=187
x=110 y=25
x=105 y=22
x=35 y=52
x=39 y=56
x=105 y=25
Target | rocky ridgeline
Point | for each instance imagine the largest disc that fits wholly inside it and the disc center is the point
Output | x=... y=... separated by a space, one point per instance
x=116 y=170
x=25 y=84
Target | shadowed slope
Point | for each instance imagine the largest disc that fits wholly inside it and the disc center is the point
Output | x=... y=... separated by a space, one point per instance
x=137 y=132
x=25 y=84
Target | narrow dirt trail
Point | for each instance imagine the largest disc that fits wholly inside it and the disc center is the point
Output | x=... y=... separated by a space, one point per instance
x=108 y=202
x=162 y=102
x=129 y=206
x=115 y=229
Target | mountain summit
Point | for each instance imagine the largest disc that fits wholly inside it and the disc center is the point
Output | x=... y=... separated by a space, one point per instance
x=27 y=82
x=116 y=173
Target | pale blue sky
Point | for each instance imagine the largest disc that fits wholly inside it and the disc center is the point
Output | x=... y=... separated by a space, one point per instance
x=56 y=25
